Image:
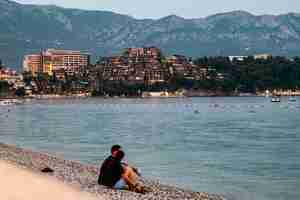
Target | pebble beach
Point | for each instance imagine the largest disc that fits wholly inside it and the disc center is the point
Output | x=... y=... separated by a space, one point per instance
x=85 y=177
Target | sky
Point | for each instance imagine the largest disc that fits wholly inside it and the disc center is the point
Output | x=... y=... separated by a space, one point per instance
x=185 y=8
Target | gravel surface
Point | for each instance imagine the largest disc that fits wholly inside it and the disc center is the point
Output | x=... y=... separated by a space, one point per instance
x=85 y=177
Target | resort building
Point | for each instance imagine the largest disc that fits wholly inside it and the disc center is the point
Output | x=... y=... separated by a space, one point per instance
x=33 y=63
x=9 y=75
x=71 y=61
x=52 y=60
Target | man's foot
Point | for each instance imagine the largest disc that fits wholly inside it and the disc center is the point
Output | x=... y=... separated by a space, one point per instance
x=141 y=189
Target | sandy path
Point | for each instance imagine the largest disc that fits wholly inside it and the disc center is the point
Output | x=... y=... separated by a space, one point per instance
x=21 y=184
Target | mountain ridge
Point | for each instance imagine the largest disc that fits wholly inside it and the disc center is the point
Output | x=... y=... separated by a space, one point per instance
x=29 y=28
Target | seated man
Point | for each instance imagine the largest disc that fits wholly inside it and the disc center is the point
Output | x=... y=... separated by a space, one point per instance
x=114 y=149
x=114 y=174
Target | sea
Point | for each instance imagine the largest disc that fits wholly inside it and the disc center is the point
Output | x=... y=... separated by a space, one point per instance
x=244 y=148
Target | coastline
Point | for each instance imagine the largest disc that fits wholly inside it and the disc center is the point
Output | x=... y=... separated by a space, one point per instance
x=85 y=177
x=151 y=95
x=36 y=186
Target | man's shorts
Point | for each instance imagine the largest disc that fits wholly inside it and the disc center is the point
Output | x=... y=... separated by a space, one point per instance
x=121 y=184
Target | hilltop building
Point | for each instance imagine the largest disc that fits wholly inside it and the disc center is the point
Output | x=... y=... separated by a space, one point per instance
x=264 y=56
x=179 y=64
x=238 y=58
x=52 y=60
x=143 y=55
x=148 y=66
x=135 y=65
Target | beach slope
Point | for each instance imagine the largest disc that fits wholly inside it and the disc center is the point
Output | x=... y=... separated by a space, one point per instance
x=80 y=176
x=22 y=184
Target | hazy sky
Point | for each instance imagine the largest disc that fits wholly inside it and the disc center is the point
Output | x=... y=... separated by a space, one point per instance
x=184 y=8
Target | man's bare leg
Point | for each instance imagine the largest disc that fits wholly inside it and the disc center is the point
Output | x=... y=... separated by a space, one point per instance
x=130 y=176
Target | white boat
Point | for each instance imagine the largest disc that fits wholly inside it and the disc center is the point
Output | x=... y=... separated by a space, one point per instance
x=9 y=102
x=5 y=103
x=275 y=99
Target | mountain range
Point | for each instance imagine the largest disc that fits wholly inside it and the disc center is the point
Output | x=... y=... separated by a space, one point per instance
x=26 y=29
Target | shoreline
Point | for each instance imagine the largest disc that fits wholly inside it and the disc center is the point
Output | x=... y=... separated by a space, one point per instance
x=85 y=177
x=186 y=95
x=36 y=186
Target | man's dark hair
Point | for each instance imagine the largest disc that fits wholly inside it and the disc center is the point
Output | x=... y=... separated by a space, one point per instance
x=115 y=147
x=120 y=155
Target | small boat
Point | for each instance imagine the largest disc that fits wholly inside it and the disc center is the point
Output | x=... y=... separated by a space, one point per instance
x=10 y=102
x=275 y=99
x=5 y=103
x=292 y=99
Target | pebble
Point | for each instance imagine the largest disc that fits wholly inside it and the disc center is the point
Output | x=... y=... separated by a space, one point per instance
x=85 y=176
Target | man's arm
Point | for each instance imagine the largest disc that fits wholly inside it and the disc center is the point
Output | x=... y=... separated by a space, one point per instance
x=132 y=167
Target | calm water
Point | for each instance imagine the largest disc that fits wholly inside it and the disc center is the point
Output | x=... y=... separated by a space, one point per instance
x=245 y=148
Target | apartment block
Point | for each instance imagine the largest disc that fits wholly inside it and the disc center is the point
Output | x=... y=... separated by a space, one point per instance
x=52 y=60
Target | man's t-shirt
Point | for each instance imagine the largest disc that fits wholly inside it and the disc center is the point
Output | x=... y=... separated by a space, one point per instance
x=110 y=172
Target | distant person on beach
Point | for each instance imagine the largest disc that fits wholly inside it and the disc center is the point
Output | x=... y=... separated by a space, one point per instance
x=115 y=174
x=114 y=149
